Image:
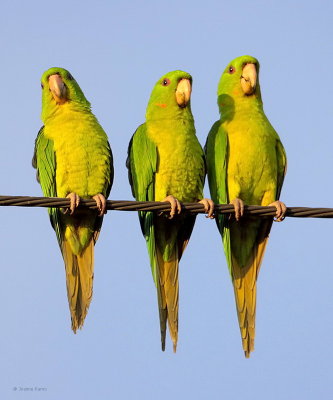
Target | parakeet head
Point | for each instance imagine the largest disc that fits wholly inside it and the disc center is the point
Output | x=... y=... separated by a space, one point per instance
x=60 y=89
x=171 y=97
x=239 y=83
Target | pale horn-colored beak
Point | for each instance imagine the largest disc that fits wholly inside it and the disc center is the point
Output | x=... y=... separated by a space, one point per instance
x=58 y=88
x=183 y=92
x=249 y=78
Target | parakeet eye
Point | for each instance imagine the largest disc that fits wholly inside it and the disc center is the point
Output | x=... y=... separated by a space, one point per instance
x=166 y=82
x=69 y=76
x=231 y=69
x=42 y=86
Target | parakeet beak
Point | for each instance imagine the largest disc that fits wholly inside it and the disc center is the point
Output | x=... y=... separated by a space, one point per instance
x=249 y=79
x=58 y=88
x=183 y=92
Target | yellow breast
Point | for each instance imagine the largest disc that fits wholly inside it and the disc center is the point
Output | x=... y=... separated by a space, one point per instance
x=82 y=157
x=252 y=162
x=180 y=161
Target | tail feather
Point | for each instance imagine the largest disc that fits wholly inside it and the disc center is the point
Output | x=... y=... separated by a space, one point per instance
x=163 y=313
x=79 y=280
x=168 y=296
x=167 y=244
x=244 y=278
x=171 y=287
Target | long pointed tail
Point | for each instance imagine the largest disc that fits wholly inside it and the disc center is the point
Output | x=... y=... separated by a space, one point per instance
x=168 y=296
x=245 y=289
x=79 y=279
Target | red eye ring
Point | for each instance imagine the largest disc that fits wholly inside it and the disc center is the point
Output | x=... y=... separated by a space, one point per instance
x=165 y=82
x=231 y=69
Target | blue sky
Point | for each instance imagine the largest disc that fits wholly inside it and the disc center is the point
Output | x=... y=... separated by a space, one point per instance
x=116 y=51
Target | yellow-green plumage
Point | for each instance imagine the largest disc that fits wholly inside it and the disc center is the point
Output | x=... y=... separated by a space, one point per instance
x=180 y=159
x=76 y=137
x=245 y=160
x=165 y=158
x=72 y=154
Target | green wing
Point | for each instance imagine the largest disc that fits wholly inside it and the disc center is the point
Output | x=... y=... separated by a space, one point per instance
x=216 y=160
x=141 y=163
x=106 y=192
x=282 y=166
x=216 y=150
x=44 y=160
x=110 y=181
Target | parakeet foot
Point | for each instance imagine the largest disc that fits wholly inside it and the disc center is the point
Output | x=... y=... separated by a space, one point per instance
x=281 y=210
x=101 y=203
x=74 y=203
x=209 y=207
x=175 y=205
x=239 y=208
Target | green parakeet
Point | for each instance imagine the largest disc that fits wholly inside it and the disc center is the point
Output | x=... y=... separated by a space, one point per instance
x=246 y=162
x=166 y=163
x=73 y=159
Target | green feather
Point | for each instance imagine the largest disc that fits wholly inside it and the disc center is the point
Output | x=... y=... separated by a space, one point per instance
x=164 y=159
x=246 y=160
x=72 y=154
x=45 y=163
x=142 y=163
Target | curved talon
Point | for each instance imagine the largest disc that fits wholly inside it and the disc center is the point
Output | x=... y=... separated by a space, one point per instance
x=209 y=207
x=101 y=203
x=175 y=205
x=239 y=208
x=74 y=203
x=281 y=210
